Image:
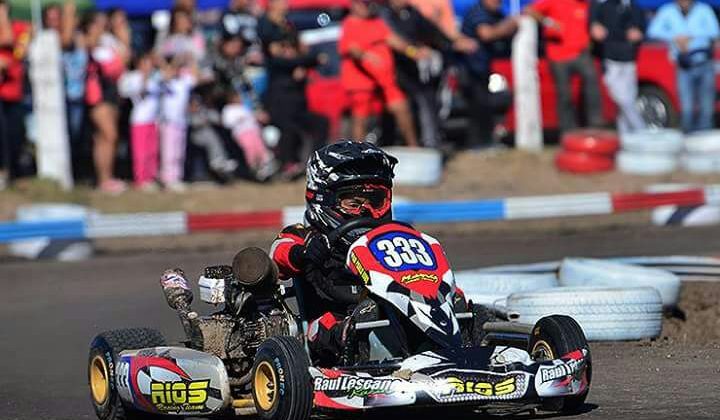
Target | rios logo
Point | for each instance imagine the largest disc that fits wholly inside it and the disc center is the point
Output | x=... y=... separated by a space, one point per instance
x=179 y=396
x=356 y=387
x=486 y=389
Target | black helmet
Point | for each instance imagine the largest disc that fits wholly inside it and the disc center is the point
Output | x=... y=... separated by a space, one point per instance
x=348 y=179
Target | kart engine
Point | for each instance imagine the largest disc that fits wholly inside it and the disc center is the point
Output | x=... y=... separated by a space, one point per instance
x=252 y=310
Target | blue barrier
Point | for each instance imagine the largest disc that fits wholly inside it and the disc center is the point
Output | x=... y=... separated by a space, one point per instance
x=63 y=229
x=459 y=211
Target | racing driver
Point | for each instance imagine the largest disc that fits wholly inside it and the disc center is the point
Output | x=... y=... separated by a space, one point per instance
x=345 y=180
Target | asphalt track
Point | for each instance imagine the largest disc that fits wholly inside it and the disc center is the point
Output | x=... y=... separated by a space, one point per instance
x=49 y=312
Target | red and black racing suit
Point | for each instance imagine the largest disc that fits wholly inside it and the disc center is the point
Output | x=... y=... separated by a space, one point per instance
x=330 y=292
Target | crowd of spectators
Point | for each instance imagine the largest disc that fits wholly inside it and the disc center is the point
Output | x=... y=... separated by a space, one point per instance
x=197 y=91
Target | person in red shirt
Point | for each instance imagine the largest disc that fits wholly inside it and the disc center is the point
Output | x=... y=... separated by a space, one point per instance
x=367 y=69
x=14 y=41
x=567 y=36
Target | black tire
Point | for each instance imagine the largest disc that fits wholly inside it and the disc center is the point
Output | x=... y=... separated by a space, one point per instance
x=563 y=335
x=282 y=363
x=481 y=315
x=656 y=107
x=102 y=362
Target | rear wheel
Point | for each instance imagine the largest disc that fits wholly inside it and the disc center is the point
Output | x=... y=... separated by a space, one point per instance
x=553 y=337
x=102 y=362
x=281 y=384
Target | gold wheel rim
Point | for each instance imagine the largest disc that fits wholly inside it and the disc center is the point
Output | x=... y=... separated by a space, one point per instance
x=265 y=386
x=99 y=381
x=542 y=351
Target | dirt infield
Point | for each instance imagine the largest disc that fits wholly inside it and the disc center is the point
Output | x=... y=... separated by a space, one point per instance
x=701 y=304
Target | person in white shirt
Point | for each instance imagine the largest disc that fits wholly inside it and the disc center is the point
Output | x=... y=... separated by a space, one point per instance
x=142 y=87
x=176 y=88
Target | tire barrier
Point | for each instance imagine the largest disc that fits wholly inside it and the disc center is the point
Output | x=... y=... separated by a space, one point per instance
x=701 y=164
x=604 y=313
x=593 y=272
x=583 y=162
x=686 y=216
x=687 y=268
x=703 y=142
x=598 y=142
x=52 y=247
x=656 y=141
x=493 y=289
x=417 y=167
x=643 y=163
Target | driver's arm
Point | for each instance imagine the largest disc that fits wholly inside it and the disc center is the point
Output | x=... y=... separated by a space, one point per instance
x=288 y=251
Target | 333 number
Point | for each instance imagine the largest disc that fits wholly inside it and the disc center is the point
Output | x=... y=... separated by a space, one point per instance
x=399 y=251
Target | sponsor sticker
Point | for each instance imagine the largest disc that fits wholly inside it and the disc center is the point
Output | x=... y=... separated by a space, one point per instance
x=356 y=386
x=179 y=396
x=551 y=373
x=412 y=278
x=484 y=387
x=362 y=272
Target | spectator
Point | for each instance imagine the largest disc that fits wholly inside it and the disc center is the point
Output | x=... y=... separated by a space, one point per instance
x=567 y=44
x=142 y=87
x=488 y=25
x=240 y=20
x=105 y=67
x=75 y=62
x=690 y=27
x=420 y=78
x=439 y=12
x=14 y=40
x=203 y=120
x=287 y=64
x=184 y=43
x=118 y=35
x=617 y=26
x=239 y=119
x=368 y=69
x=176 y=86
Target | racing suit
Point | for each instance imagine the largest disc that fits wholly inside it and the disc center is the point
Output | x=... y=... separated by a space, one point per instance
x=331 y=295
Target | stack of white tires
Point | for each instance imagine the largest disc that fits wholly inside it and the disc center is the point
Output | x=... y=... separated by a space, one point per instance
x=650 y=152
x=417 y=167
x=702 y=152
x=610 y=300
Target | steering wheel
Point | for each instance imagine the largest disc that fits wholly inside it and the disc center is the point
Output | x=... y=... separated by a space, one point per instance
x=347 y=227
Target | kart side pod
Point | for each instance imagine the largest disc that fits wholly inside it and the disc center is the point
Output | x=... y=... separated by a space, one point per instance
x=173 y=380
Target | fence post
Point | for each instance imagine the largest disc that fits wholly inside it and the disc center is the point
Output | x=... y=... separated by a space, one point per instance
x=526 y=87
x=53 y=149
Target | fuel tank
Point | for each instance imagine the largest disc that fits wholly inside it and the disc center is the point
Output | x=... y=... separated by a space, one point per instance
x=173 y=380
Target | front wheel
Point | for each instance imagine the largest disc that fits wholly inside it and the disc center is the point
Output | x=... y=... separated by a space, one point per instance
x=102 y=362
x=553 y=337
x=281 y=384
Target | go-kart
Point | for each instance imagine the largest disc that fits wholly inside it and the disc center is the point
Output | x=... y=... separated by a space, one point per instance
x=424 y=346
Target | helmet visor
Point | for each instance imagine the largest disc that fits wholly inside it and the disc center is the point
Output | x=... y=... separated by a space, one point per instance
x=365 y=200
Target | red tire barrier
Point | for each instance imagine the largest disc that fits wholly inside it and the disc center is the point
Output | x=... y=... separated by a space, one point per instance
x=601 y=142
x=583 y=163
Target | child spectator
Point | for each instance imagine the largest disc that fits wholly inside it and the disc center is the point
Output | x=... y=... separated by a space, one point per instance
x=203 y=120
x=246 y=132
x=142 y=87
x=176 y=88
